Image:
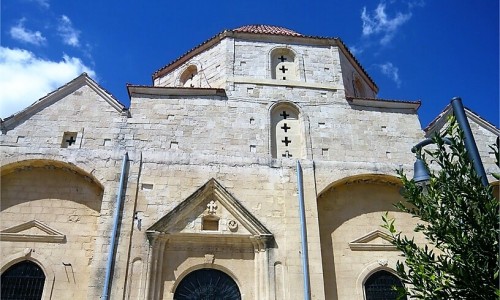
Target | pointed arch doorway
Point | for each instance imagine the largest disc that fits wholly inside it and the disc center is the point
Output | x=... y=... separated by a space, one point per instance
x=207 y=284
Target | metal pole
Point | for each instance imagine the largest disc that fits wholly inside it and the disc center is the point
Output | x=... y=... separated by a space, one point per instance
x=470 y=143
x=111 y=254
x=303 y=233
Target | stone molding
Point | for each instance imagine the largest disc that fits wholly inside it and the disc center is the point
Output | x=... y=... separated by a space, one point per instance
x=362 y=243
x=15 y=233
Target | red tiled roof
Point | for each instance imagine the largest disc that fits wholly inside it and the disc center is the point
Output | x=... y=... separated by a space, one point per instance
x=267 y=29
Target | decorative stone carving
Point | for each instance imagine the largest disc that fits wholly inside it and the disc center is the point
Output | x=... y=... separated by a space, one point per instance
x=212 y=207
x=232 y=225
x=209 y=258
x=383 y=262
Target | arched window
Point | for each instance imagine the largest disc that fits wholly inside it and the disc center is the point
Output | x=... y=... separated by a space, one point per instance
x=286 y=133
x=190 y=77
x=283 y=64
x=207 y=284
x=381 y=286
x=23 y=280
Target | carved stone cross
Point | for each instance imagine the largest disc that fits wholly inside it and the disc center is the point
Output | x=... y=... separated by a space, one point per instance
x=212 y=207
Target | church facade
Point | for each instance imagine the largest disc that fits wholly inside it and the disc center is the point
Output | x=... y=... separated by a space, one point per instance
x=196 y=189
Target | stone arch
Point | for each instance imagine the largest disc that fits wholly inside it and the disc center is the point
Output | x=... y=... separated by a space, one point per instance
x=194 y=268
x=64 y=198
x=369 y=271
x=23 y=167
x=42 y=261
x=190 y=76
x=12 y=164
x=349 y=209
x=284 y=64
x=287 y=133
x=389 y=179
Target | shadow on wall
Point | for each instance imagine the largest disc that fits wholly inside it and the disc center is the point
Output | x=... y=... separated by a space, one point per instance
x=365 y=199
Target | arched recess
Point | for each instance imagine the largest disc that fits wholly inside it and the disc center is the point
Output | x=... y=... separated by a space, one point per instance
x=44 y=198
x=190 y=77
x=41 y=261
x=89 y=172
x=284 y=64
x=350 y=212
x=33 y=179
x=287 y=131
x=202 y=282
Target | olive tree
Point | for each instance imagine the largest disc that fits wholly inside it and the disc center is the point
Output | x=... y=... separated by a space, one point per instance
x=459 y=218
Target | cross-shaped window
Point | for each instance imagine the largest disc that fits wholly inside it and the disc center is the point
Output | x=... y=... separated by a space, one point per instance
x=285 y=127
x=286 y=141
x=71 y=140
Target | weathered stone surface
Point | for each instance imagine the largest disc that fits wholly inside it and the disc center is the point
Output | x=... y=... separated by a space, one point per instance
x=224 y=126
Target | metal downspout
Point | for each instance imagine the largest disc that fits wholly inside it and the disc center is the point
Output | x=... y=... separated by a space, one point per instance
x=112 y=246
x=303 y=233
x=470 y=143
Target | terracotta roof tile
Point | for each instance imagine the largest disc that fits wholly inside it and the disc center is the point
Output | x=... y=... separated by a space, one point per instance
x=267 y=29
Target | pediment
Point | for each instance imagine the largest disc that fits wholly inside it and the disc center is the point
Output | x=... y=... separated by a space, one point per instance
x=441 y=120
x=376 y=240
x=59 y=94
x=211 y=212
x=32 y=231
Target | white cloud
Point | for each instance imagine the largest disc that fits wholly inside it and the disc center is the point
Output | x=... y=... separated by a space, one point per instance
x=20 y=33
x=43 y=3
x=378 y=23
x=391 y=71
x=356 y=50
x=25 y=78
x=68 y=33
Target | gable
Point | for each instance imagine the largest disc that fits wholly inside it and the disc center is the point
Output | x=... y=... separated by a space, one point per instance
x=210 y=212
x=80 y=108
x=373 y=241
x=32 y=231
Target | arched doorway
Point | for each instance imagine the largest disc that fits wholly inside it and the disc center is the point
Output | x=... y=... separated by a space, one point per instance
x=207 y=284
x=23 y=280
x=381 y=286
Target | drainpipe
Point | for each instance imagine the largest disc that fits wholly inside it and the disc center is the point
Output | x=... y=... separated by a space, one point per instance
x=112 y=246
x=303 y=233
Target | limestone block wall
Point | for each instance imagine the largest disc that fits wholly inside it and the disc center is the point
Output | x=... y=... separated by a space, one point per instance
x=485 y=138
x=202 y=126
x=239 y=125
x=268 y=193
x=82 y=114
x=485 y=135
x=318 y=64
x=347 y=213
x=212 y=66
x=65 y=202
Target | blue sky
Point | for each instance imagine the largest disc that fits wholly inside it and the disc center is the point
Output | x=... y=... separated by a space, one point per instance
x=414 y=50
